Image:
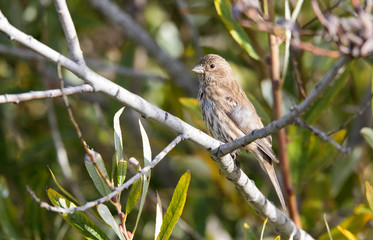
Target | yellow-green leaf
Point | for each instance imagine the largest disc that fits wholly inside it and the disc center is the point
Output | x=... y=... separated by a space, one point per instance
x=121 y=171
x=347 y=233
x=369 y=194
x=133 y=196
x=223 y=8
x=78 y=220
x=175 y=208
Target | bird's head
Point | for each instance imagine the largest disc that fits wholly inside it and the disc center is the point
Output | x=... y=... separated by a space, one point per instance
x=213 y=66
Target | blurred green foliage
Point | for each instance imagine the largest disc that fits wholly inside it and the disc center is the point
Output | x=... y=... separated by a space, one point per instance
x=325 y=181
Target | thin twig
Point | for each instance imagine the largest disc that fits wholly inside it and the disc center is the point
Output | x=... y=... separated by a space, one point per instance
x=62 y=157
x=116 y=190
x=317 y=132
x=77 y=129
x=52 y=93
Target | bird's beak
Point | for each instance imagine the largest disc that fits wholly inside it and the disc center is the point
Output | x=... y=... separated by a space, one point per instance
x=198 y=69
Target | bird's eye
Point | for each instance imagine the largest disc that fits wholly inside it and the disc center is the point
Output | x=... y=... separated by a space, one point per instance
x=212 y=65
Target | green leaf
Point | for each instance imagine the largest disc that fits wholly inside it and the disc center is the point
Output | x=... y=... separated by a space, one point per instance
x=176 y=207
x=146 y=177
x=369 y=194
x=133 y=196
x=223 y=8
x=121 y=171
x=118 y=141
x=105 y=213
x=368 y=135
x=99 y=182
x=327 y=97
x=71 y=197
x=78 y=220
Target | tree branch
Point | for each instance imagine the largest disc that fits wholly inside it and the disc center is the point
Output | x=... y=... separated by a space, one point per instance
x=70 y=32
x=20 y=97
x=246 y=186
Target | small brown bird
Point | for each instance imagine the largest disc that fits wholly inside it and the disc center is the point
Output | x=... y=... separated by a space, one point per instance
x=229 y=114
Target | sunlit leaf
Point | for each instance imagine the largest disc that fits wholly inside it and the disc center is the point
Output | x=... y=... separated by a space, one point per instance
x=263 y=228
x=118 y=141
x=369 y=194
x=78 y=220
x=98 y=181
x=105 y=213
x=368 y=135
x=146 y=177
x=347 y=233
x=176 y=207
x=133 y=196
x=121 y=171
x=223 y=8
x=158 y=217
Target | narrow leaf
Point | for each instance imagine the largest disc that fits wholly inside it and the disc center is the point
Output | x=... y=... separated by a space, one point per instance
x=146 y=147
x=78 y=220
x=121 y=171
x=368 y=135
x=158 y=217
x=223 y=8
x=105 y=213
x=118 y=141
x=99 y=182
x=175 y=208
x=133 y=196
x=146 y=177
x=369 y=194
x=62 y=189
x=349 y=235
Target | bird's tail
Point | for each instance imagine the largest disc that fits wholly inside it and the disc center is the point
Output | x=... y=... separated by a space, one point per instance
x=272 y=175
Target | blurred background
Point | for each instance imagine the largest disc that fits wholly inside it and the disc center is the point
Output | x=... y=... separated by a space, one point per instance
x=325 y=181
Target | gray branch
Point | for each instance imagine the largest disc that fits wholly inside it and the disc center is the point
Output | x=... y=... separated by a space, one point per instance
x=69 y=30
x=246 y=186
x=52 y=93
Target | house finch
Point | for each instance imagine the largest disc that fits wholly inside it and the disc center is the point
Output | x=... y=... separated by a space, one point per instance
x=229 y=114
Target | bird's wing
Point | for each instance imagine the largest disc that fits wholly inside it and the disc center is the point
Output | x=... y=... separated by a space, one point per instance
x=246 y=119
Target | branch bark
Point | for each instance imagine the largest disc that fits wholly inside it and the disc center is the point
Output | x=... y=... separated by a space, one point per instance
x=246 y=186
